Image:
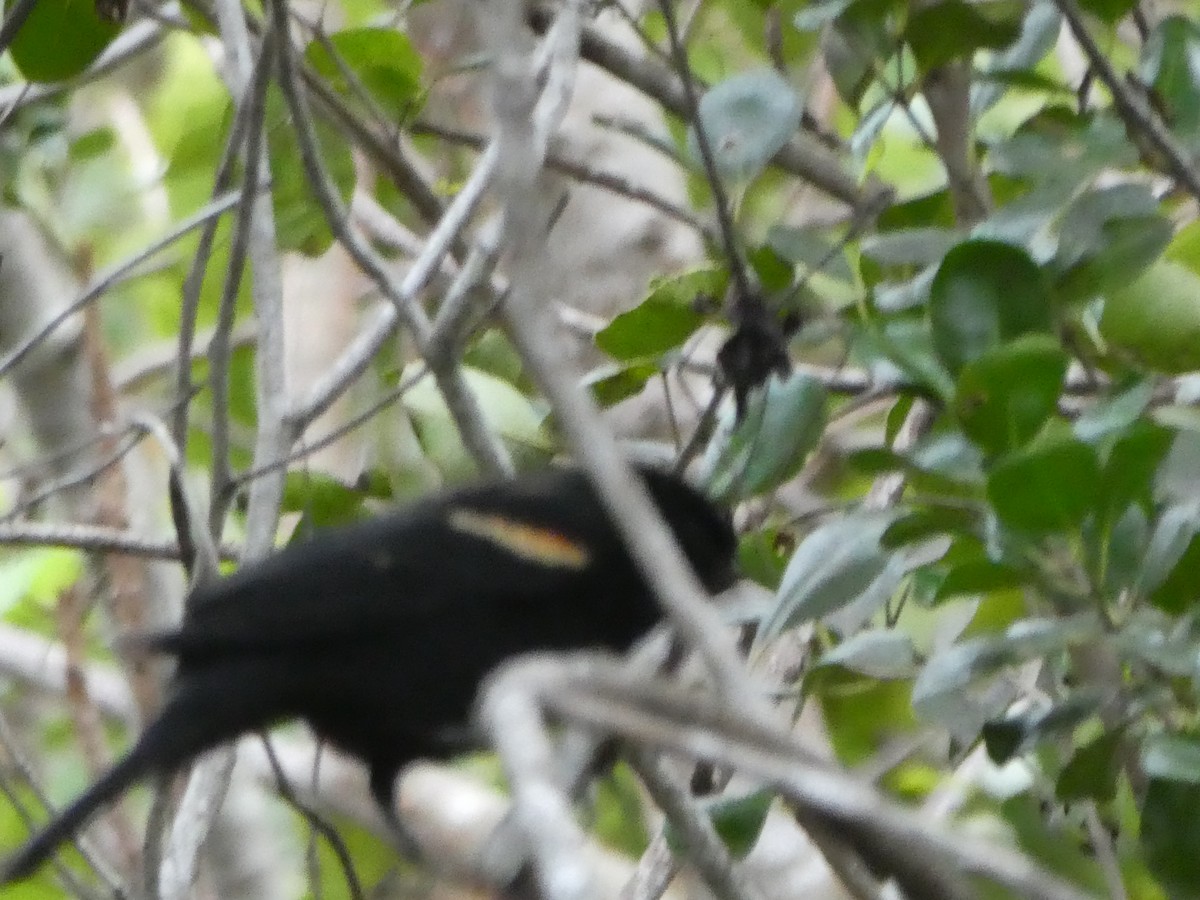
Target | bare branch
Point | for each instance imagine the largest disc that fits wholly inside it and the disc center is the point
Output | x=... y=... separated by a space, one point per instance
x=801 y=156
x=1133 y=109
x=598 y=693
x=93 y=538
x=485 y=446
x=117 y=273
x=699 y=836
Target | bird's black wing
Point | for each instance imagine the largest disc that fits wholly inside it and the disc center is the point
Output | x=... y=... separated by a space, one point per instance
x=536 y=537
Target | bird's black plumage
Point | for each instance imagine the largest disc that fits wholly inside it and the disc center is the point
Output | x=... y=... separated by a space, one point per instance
x=379 y=634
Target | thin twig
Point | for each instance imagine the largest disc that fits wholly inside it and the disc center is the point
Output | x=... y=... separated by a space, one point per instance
x=253 y=111
x=483 y=444
x=801 y=156
x=655 y=871
x=317 y=822
x=737 y=267
x=699 y=836
x=131 y=438
x=523 y=136
x=193 y=282
x=17 y=14
x=584 y=174
x=94 y=539
x=112 y=276
x=154 y=360
x=312 y=445
x=598 y=693
x=1132 y=108
x=16 y=759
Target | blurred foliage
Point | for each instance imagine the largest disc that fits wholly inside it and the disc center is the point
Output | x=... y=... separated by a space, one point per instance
x=1030 y=594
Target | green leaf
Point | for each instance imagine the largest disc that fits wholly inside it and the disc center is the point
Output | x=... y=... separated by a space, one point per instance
x=833 y=566
x=774 y=272
x=1061 y=149
x=1049 y=841
x=926 y=523
x=1034 y=637
x=323 y=499
x=945 y=457
x=811 y=247
x=1015 y=65
x=904 y=347
x=1005 y=396
x=953 y=29
x=1046 y=488
x=60 y=39
x=782 y=426
x=978 y=576
x=617 y=807
x=1131 y=467
x=1177 y=592
x=985 y=293
x=896 y=417
x=507 y=412
x=1173 y=542
x=611 y=387
x=747 y=119
x=650 y=329
x=1115 y=413
x=898 y=296
x=861 y=34
x=909 y=246
x=940 y=690
x=1169 y=67
x=815 y=16
x=37 y=575
x=1176 y=480
x=939 y=693
x=1107 y=237
x=383 y=62
x=1156 y=319
x=874 y=461
x=1110 y=11
x=188 y=115
x=1185 y=246
x=1081 y=233
x=740 y=820
x=763 y=556
x=930 y=210
x=1144 y=640
x=948 y=455
x=665 y=319
x=878 y=653
x=1092 y=771
x=1172 y=757
x=1169 y=836
x=299 y=220
x=93 y=144
x=372 y=857
x=862 y=714
x=1126 y=537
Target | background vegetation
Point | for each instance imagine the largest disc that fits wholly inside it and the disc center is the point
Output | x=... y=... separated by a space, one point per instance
x=932 y=332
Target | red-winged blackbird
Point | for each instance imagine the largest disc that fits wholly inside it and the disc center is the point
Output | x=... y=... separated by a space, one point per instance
x=379 y=634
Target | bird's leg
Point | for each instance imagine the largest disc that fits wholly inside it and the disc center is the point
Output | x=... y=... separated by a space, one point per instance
x=383 y=791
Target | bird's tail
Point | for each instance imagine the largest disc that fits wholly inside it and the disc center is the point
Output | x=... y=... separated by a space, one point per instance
x=111 y=785
x=199 y=716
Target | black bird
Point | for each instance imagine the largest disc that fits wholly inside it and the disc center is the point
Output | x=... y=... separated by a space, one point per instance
x=379 y=634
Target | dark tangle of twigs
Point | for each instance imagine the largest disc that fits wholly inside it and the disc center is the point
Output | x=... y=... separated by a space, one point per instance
x=316 y=821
